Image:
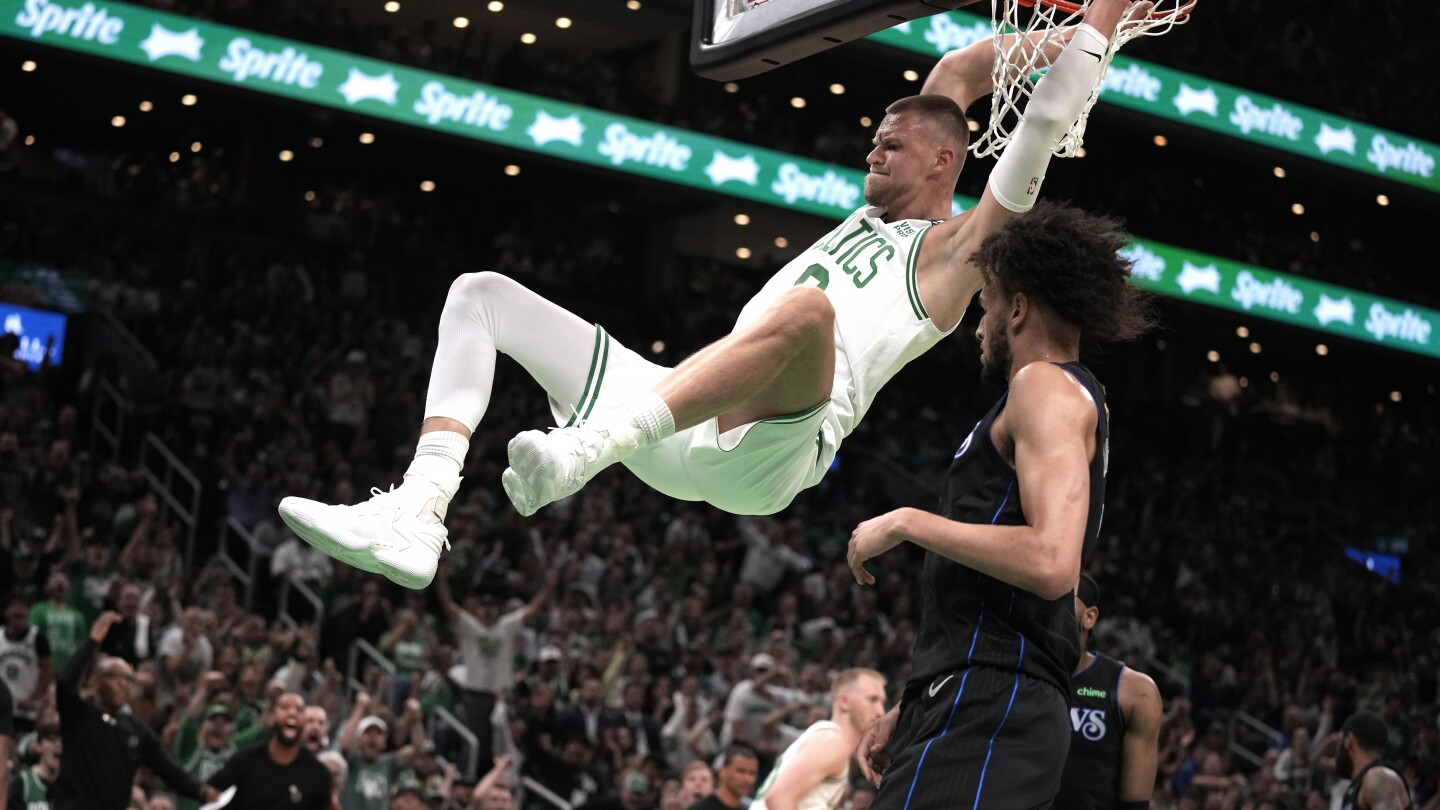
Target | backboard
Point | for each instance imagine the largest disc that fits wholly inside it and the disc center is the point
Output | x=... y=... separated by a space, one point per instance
x=735 y=39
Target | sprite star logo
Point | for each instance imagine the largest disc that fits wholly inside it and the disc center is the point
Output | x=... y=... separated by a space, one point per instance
x=723 y=169
x=547 y=128
x=1330 y=310
x=1144 y=263
x=1194 y=278
x=360 y=86
x=1190 y=100
x=1331 y=139
x=163 y=42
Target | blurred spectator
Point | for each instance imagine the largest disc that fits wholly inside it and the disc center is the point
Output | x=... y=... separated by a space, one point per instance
x=185 y=652
x=7 y=736
x=131 y=638
x=1293 y=768
x=26 y=668
x=202 y=733
x=487 y=647
x=734 y=780
x=30 y=788
x=587 y=715
x=752 y=701
x=696 y=782
x=62 y=624
x=104 y=746
x=372 y=770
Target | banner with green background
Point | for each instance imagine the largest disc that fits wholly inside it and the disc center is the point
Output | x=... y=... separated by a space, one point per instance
x=1218 y=107
x=239 y=58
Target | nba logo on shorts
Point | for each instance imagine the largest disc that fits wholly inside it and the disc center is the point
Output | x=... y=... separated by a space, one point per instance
x=1030 y=189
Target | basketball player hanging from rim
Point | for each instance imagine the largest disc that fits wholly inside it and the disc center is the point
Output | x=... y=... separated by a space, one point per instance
x=751 y=420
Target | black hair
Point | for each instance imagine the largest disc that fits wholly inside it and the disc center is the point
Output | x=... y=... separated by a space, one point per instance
x=943 y=111
x=1369 y=731
x=738 y=749
x=1069 y=260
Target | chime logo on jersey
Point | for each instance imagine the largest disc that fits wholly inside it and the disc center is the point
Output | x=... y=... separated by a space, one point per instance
x=1089 y=723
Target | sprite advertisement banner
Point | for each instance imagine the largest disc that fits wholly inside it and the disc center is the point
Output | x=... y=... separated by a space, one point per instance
x=330 y=78
x=1205 y=279
x=1215 y=106
x=235 y=57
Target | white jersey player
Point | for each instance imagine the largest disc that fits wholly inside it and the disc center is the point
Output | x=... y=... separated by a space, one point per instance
x=814 y=771
x=751 y=420
x=25 y=664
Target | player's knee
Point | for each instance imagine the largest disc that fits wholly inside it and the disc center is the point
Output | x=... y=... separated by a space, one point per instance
x=806 y=311
x=471 y=287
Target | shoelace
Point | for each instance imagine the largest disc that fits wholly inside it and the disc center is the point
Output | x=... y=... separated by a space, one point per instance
x=389 y=495
x=589 y=443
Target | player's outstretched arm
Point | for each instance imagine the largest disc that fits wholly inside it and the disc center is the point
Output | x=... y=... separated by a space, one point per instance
x=1052 y=420
x=967 y=74
x=1058 y=100
x=1141 y=746
x=1015 y=182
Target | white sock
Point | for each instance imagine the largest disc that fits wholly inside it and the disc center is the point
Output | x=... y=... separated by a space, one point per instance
x=439 y=458
x=650 y=413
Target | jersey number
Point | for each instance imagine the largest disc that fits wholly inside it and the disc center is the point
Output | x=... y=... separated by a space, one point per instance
x=848 y=253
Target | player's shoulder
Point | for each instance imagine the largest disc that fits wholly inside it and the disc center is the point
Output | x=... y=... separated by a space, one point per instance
x=1138 y=684
x=1140 y=698
x=1383 y=774
x=1051 y=381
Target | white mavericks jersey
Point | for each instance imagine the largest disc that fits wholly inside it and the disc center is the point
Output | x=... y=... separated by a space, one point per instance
x=20 y=666
x=867 y=267
x=824 y=796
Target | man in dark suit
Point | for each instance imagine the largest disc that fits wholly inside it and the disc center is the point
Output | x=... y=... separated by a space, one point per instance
x=643 y=728
x=588 y=715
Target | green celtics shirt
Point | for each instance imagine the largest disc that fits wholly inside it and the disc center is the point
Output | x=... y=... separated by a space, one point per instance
x=368 y=787
x=197 y=760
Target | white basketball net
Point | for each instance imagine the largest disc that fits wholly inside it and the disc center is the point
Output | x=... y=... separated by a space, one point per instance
x=1028 y=38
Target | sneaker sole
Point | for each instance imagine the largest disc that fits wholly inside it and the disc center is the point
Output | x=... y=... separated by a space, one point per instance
x=414 y=582
x=518 y=492
x=320 y=539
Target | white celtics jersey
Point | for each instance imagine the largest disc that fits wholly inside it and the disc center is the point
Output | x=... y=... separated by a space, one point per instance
x=824 y=796
x=20 y=666
x=867 y=267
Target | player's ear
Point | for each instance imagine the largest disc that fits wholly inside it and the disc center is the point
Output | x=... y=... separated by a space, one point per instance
x=945 y=159
x=1019 y=308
